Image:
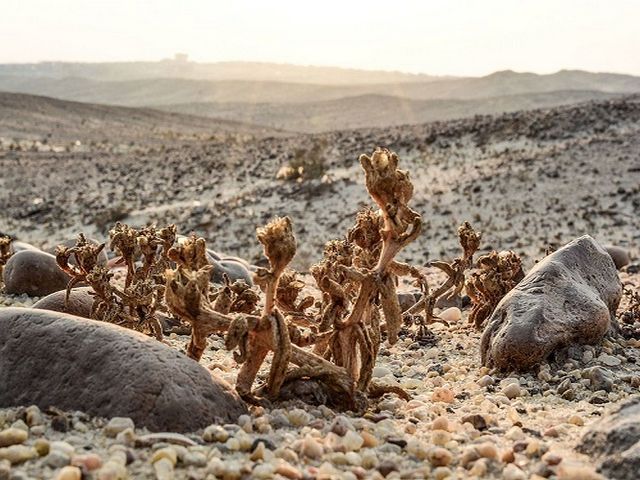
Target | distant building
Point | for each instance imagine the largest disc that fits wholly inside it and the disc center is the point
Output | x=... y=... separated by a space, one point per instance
x=181 y=58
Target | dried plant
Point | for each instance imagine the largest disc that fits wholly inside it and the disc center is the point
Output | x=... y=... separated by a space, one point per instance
x=357 y=278
x=5 y=253
x=497 y=274
x=632 y=313
x=452 y=286
x=145 y=253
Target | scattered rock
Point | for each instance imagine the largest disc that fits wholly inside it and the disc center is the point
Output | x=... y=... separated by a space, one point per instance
x=569 y=297
x=615 y=440
x=34 y=273
x=619 y=255
x=80 y=302
x=76 y=364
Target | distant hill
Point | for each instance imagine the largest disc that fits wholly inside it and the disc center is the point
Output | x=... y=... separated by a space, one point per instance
x=255 y=71
x=37 y=117
x=377 y=110
x=305 y=98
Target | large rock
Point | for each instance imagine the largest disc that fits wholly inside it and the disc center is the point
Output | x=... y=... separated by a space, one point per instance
x=568 y=298
x=234 y=270
x=35 y=273
x=615 y=441
x=54 y=359
x=80 y=302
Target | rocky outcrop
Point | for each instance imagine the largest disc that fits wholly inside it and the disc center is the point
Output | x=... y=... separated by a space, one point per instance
x=35 y=273
x=568 y=298
x=615 y=440
x=53 y=359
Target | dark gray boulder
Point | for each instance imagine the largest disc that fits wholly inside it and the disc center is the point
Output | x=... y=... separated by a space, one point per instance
x=33 y=272
x=619 y=255
x=233 y=270
x=54 y=359
x=80 y=302
x=615 y=441
x=568 y=298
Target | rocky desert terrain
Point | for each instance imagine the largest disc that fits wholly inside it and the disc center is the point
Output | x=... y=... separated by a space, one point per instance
x=531 y=181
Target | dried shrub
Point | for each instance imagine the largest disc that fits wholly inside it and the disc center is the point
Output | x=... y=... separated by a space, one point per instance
x=5 y=253
x=306 y=164
x=452 y=286
x=357 y=278
x=497 y=274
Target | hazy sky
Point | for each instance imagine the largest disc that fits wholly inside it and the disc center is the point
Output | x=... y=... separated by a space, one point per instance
x=458 y=37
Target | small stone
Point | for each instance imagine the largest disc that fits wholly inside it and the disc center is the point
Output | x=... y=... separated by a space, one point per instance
x=551 y=458
x=440 y=423
x=379 y=371
x=117 y=425
x=287 y=470
x=487 y=450
x=12 y=436
x=167 y=452
x=60 y=423
x=18 y=453
x=352 y=441
x=34 y=416
x=479 y=468
x=511 y=472
x=441 y=473
x=163 y=469
x=194 y=459
x=477 y=420
x=551 y=432
x=576 y=471
x=369 y=440
x=576 y=420
x=5 y=470
x=298 y=417
x=451 y=315
x=87 y=462
x=42 y=446
x=441 y=394
x=508 y=456
x=311 y=448
x=386 y=467
x=486 y=381
x=69 y=473
x=215 y=433
x=57 y=459
x=440 y=437
x=439 y=457
x=609 y=360
x=512 y=391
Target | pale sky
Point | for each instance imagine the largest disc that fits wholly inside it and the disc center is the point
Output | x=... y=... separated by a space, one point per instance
x=439 y=37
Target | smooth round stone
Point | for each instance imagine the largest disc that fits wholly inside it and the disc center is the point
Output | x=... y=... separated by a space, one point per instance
x=451 y=315
x=512 y=391
x=80 y=302
x=69 y=473
x=439 y=457
x=34 y=273
x=12 y=436
x=619 y=255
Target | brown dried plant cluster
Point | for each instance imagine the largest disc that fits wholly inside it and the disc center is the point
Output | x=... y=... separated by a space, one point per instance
x=357 y=277
x=497 y=274
x=144 y=253
x=333 y=338
x=631 y=314
x=453 y=285
x=5 y=253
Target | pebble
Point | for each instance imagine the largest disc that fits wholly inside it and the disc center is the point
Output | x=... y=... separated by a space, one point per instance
x=609 y=360
x=439 y=457
x=380 y=371
x=18 y=453
x=451 y=314
x=487 y=450
x=511 y=472
x=163 y=469
x=69 y=473
x=311 y=448
x=440 y=423
x=57 y=459
x=442 y=394
x=87 y=462
x=215 y=433
x=34 y=416
x=512 y=391
x=486 y=380
x=12 y=436
x=287 y=470
x=576 y=471
x=117 y=425
x=352 y=441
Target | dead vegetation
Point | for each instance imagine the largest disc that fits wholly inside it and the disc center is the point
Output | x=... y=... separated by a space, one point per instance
x=332 y=338
x=497 y=274
x=5 y=253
